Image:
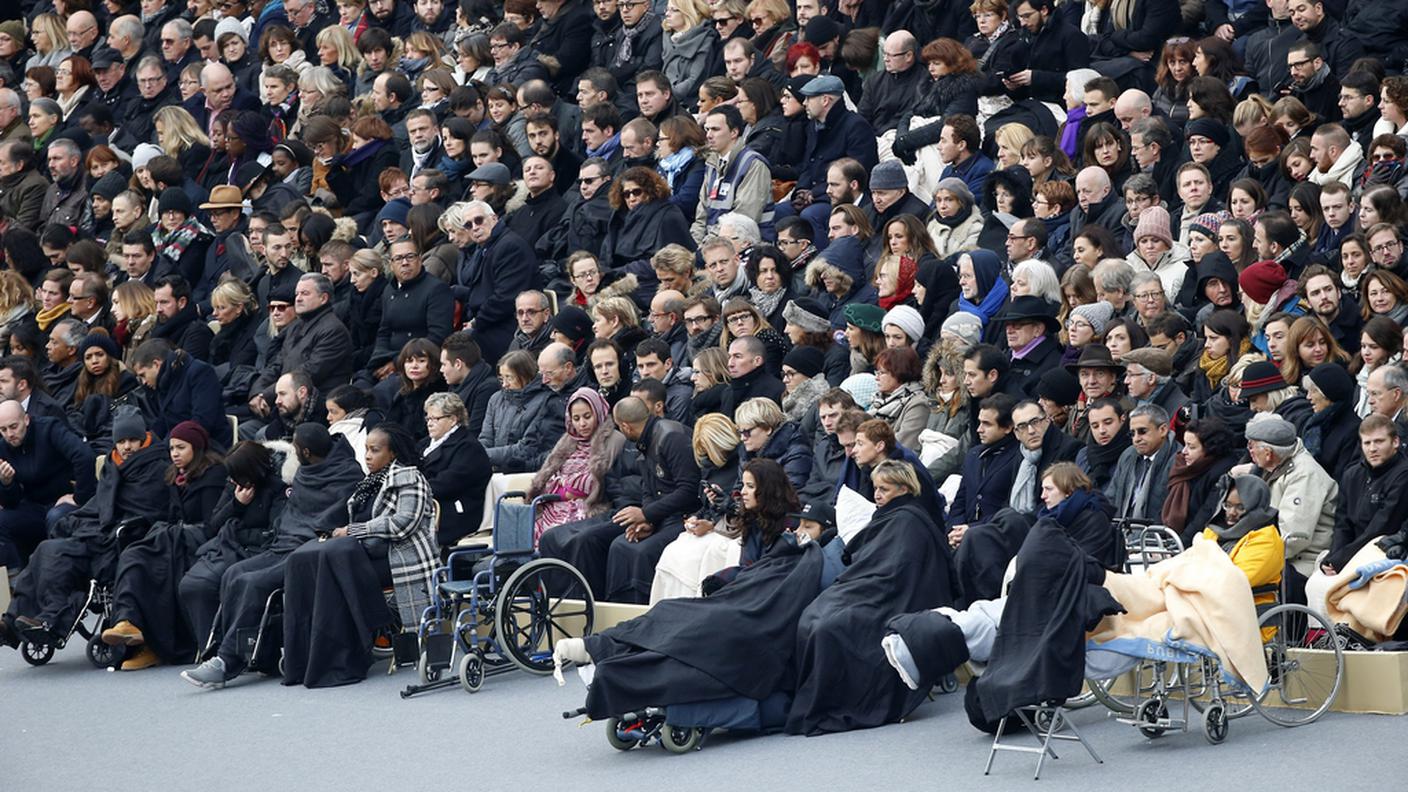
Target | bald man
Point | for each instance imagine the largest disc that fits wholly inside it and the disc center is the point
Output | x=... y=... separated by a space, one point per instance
x=82 y=33
x=1132 y=106
x=219 y=95
x=618 y=554
x=890 y=92
x=1096 y=202
x=46 y=471
x=667 y=322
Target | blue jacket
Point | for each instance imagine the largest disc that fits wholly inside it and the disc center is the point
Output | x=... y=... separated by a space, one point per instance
x=974 y=173
x=843 y=134
x=187 y=390
x=988 y=472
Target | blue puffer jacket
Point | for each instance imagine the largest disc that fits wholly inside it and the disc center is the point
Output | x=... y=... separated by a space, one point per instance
x=788 y=448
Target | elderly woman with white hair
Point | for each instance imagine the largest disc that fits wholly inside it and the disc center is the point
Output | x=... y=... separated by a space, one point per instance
x=455 y=465
x=1036 y=278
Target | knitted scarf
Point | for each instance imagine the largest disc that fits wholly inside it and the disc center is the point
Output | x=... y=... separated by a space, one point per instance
x=1180 y=489
x=1216 y=369
x=674 y=166
x=48 y=316
x=173 y=244
x=766 y=302
x=365 y=491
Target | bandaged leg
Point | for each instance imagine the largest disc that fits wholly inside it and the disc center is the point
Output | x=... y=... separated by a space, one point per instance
x=568 y=650
x=901 y=660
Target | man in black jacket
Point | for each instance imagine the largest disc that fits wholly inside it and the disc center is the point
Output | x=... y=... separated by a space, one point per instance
x=1373 y=498
x=471 y=377
x=988 y=469
x=890 y=92
x=177 y=320
x=1053 y=48
x=749 y=375
x=1096 y=202
x=654 y=360
x=1031 y=326
x=45 y=471
x=1341 y=48
x=417 y=305
x=618 y=555
x=179 y=388
x=566 y=36
x=489 y=281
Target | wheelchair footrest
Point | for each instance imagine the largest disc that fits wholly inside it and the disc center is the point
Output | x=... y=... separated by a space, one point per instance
x=439 y=651
x=405 y=649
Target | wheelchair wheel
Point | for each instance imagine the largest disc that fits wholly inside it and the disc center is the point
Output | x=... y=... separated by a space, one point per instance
x=1151 y=712
x=100 y=654
x=541 y=603
x=1101 y=691
x=425 y=672
x=681 y=739
x=472 y=672
x=1306 y=671
x=36 y=654
x=1215 y=723
x=614 y=737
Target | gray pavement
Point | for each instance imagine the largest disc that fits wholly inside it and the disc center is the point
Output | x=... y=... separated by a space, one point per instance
x=68 y=726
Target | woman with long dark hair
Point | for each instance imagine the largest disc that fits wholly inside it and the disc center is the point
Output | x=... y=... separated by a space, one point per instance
x=765 y=497
x=1210 y=449
x=418 y=366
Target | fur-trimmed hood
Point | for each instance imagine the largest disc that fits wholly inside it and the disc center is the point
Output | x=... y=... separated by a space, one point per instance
x=615 y=286
x=285 y=459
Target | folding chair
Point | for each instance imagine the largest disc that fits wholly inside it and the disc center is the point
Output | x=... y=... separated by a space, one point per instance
x=1047 y=723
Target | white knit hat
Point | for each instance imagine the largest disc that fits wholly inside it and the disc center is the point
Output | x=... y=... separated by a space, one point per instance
x=907 y=319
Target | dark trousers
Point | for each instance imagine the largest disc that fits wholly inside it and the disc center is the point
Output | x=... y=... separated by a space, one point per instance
x=52 y=586
x=618 y=570
x=244 y=591
x=22 y=528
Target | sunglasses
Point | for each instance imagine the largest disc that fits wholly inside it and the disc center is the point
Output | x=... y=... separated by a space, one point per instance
x=633 y=192
x=478 y=221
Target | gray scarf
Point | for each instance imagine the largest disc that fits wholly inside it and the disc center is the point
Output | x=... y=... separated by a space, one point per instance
x=1256 y=503
x=1024 y=497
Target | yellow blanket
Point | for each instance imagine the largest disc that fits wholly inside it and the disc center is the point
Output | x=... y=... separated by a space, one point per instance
x=1198 y=596
x=1376 y=610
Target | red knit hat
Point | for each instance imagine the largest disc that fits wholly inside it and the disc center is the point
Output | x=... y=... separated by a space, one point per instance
x=1261 y=280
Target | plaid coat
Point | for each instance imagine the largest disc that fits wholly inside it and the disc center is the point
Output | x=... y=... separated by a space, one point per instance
x=403 y=514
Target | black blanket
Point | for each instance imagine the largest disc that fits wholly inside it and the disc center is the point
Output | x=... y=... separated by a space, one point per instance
x=317 y=501
x=899 y=564
x=737 y=642
x=1039 y=655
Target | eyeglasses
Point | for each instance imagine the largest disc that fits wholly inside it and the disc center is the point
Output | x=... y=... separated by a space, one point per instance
x=405 y=258
x=1032 y=425
x=1386 y=247
x=150 y=80
x=585 y=275
x=1149 y=296
x=1016 y=237
x=721 y=21
x=1074 y=323
x=433 y=418
x=477 y=221
x=695 y=321
x=738 y=318
x=1300 y=64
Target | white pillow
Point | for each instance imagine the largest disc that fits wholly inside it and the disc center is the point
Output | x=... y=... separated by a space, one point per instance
x=853 y=512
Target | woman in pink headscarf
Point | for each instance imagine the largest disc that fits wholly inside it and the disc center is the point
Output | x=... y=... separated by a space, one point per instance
x=577 y=466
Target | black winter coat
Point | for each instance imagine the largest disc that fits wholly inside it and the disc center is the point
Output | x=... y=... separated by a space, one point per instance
x=489 y=279
x=478 y=385
x=186 y=390
x=186 y=331
x=364 y=321
x=1373 y=502
x=194 y=503
x=787 y=447
x=567 y=38
x=50 y=463
x=420 y=308
x=458 y=470
x=637 y=235
x=988 y=472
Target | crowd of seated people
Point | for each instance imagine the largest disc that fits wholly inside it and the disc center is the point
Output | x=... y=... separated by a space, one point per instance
x=305 y=298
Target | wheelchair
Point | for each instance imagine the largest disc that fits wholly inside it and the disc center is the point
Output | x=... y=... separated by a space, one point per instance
x=1304 y=658
x=499 y=608
x=97 y=608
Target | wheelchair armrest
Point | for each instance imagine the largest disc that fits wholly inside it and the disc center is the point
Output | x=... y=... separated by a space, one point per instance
x=131 y=530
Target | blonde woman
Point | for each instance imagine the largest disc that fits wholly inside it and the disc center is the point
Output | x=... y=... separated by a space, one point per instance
x=134 y=309
x=17 y=304
x=50 y=42
x=337 y=51
x=773 y=29
x=694 y=556
x=181 y=137
x=315 y=87
x=710 y=380
x=1010 y=140
x=690 y=45
x=615 y=319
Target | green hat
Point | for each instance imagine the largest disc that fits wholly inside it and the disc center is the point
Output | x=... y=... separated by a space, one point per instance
x=866 y=316
x=14 y=29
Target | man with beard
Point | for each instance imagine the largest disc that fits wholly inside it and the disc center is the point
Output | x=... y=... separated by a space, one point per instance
x=701 y=322
x=543 y=138
x=66 y=201
x=1312 y=81
x=426 y=149
x=296 y=402
x=177 y=320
